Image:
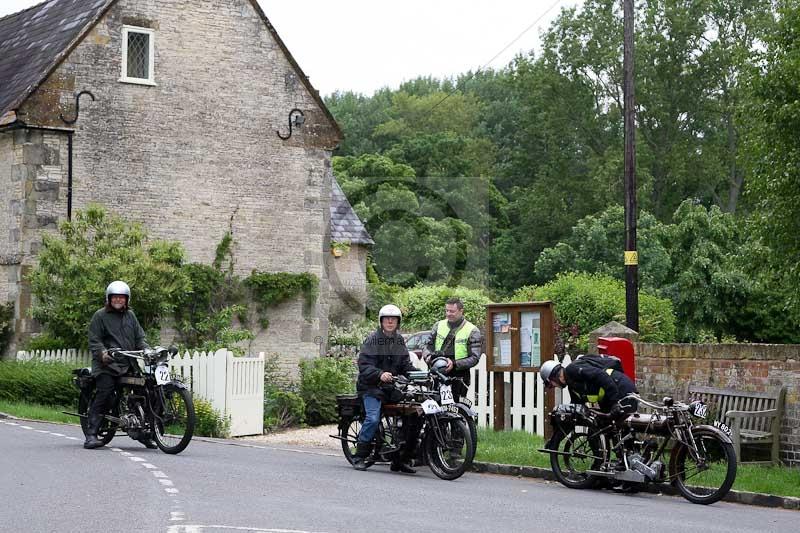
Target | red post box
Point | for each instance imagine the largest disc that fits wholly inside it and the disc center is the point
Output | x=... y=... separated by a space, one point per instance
x=622 y=349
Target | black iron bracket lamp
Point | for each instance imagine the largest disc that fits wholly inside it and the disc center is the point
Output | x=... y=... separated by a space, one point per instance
x=296 y=119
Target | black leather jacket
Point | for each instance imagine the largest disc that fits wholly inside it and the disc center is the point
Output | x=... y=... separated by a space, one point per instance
x=381 y=353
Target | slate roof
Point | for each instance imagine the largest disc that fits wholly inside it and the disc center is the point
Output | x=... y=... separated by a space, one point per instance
x=34 y=41
x=345 y=224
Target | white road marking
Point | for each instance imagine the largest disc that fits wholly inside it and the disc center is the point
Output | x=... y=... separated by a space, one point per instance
x=116 y=449
x=148 y=465
x=171 y=490
x=42 y=431
x=26 y=427
x=126 y=454
x=167 y=482
x=57 y=434
x=196 y=528
x=159 y=473
x=137 y=459
x=177 y=515
x=73 y=438
x=12 y=423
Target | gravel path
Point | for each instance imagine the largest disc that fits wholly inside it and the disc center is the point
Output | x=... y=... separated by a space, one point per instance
x=318 y=437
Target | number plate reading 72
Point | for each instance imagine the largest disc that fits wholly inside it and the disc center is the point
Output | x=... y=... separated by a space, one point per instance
x=162 y=374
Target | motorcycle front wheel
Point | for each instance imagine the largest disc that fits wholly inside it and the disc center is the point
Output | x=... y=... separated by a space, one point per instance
x=449 y=451
x=174 y=419
x=709 y=476
x=578 y=454
x=107 y=429
x=473 y=430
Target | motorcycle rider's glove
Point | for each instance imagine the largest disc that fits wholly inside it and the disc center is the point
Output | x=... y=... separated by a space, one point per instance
x=616 y=411
x=106 y=358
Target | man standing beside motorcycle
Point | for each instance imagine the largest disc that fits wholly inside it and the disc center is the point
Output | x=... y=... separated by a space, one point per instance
x=114 y=326
x=458 y=340
x=383 y=356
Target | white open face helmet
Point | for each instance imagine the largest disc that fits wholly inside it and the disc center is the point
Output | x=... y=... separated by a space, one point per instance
x=119 y=288
x=548 y=370
x=390 y=310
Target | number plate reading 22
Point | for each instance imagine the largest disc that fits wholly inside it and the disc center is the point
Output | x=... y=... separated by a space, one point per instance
x=446 y=393
x=162 y=374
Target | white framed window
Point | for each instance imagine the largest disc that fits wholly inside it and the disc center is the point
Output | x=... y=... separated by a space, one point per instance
x=138 y=54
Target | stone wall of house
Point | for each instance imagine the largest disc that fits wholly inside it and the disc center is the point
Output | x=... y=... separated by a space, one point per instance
x=348 y=280
x=33 y=197
x=197 y=154
x=666 y=369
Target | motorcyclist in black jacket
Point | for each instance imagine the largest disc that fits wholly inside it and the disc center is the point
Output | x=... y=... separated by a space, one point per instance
x=383 y=356
x=114 y=326
x=591 y=379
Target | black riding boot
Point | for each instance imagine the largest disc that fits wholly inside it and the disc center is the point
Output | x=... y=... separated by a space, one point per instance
x=362 y=452
x=147 y=441
x=92 y=441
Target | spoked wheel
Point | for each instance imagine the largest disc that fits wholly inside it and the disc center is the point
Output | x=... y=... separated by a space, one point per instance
x=708 y=477
x=107 y=429
x=449 y=457
x=580 y=453
x=473 y=431
x=174 y=420
x=349 y=433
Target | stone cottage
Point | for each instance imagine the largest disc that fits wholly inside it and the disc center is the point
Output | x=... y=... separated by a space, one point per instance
x=190 y=116
x=350 y=243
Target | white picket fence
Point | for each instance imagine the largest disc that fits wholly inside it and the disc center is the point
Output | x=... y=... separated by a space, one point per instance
x=525 y=405
x=233 y=385
x=526 y=402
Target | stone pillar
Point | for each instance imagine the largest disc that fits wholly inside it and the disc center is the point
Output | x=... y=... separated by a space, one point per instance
x=612 y=329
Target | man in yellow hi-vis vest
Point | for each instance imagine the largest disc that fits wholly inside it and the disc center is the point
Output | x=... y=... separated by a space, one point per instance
x=456 y=339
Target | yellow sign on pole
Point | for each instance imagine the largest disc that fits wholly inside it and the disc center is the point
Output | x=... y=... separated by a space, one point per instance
x=631 y=258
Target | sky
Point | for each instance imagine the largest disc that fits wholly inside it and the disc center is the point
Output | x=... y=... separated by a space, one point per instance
x=363 y=45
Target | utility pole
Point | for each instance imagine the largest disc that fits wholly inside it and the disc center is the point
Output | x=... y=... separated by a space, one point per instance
x=631 y=254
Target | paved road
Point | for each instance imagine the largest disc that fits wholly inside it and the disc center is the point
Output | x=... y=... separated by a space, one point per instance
x=49 y=483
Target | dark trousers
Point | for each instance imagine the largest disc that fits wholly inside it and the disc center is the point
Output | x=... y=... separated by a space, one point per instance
x=103 y=398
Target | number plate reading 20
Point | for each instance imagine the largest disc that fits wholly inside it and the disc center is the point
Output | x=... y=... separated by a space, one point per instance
x=162 y=374
x=446 y=393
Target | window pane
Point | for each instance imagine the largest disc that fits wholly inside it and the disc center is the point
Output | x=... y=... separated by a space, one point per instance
x=138 y=55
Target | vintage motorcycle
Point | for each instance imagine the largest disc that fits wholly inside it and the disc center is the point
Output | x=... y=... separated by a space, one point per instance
x=148 y=403
x=451 y=397
x=585 y=442
x=444 y=442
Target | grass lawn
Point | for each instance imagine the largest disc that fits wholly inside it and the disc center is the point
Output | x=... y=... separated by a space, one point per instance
x=34 y=411
x=519 y=448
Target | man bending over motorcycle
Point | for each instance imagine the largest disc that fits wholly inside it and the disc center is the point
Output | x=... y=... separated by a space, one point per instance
x=593 y=379
x=383 y=356
x=113 y=326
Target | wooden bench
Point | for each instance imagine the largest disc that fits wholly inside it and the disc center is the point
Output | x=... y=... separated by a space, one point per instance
x=754 y=417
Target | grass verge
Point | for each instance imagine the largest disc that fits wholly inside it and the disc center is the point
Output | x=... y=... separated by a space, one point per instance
x=34 y=411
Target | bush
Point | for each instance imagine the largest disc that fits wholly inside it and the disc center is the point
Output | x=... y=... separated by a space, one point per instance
x=422 y=306
x=589 y=301
x=321 y=379
x=210 y=422
x=37 y=382
x=6 y=325
x=75 y=266
x=283 y=409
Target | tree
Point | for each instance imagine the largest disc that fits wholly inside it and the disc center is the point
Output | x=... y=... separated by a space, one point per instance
x=88 y=253
x=596 y=244
x=774 y=150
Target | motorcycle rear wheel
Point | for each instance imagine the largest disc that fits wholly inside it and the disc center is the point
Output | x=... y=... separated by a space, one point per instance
x=449 y=459
x=173 y=426
x=473 y=430
x=107 y=429
x=709 y=480
x=349 y=433
x=580 y=454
